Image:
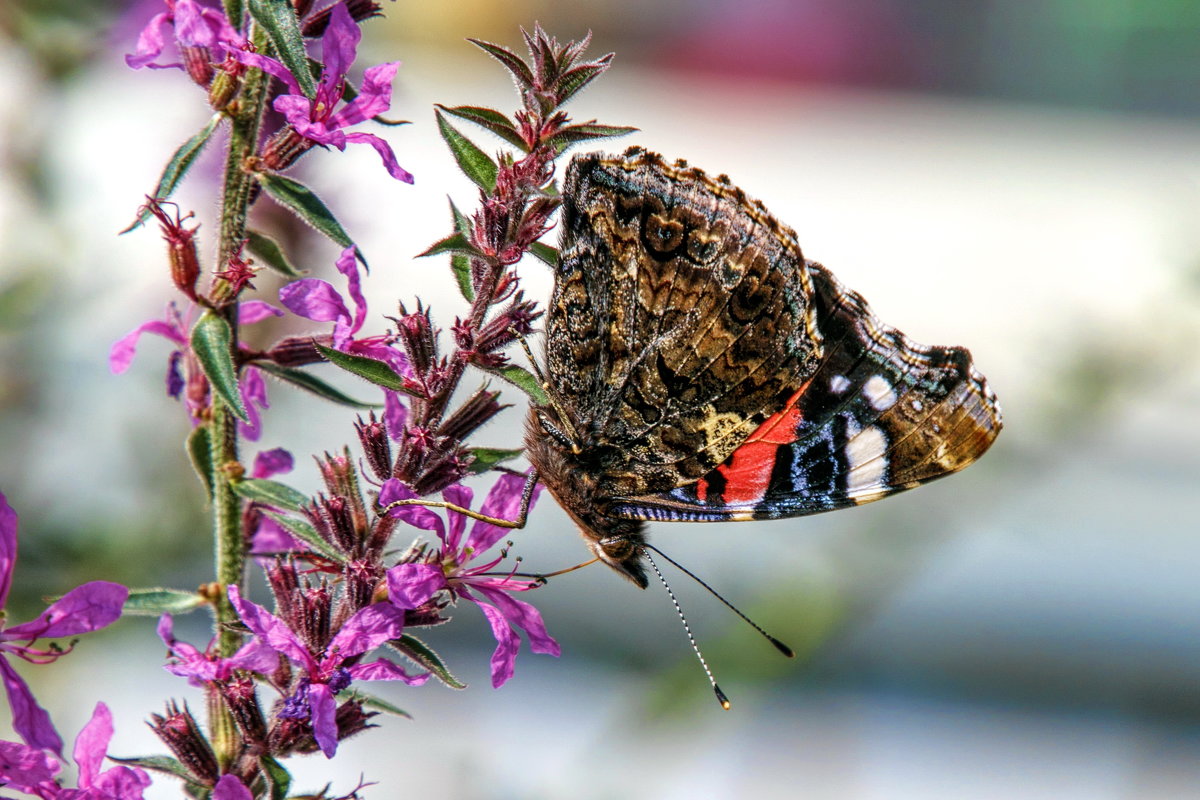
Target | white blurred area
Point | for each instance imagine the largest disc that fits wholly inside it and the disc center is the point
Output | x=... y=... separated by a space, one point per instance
x=1027 y=629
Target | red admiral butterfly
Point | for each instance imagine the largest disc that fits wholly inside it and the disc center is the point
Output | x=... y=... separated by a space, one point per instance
x=700 y=368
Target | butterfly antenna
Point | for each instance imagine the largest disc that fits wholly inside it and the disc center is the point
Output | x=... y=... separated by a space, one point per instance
x=780 y=646
x=721 y=698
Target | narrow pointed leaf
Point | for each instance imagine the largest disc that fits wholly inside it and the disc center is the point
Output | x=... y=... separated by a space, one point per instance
x=271 y=493
x=423 y=654
x=177 y=167
x=370 y=369
x=475 y=164
x=307 y=534
x=164 y=764
x=545 y=253
x=278 y=778
x=278 y=19
x=484 y=458
x=211 y=342
x=300 y=200
x=373 y=702
x=199 y=450
x=460 y=263
x=270 y=254
x=492 y=120
x=311 y=383
x=155 y=602
x=509 y=59
x=571 y=82
x=524 y=380
x=586 y=132
x=454 y=243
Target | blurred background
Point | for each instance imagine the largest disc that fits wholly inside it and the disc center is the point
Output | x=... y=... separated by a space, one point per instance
x=1022 y=178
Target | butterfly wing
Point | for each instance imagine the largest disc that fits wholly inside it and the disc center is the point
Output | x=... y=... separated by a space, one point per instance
x=878 y=415
x=680 y=320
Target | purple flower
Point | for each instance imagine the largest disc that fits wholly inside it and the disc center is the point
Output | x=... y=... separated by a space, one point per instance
x=267 y=536
x=184 y=375
x=30 y=770
x=82 y=610
x=327 y=673
x=203 y=35
x=451 y=568
x=231 y=788
x=316 y=120
x=198 y=667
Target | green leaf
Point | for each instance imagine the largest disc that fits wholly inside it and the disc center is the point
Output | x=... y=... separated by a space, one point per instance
x=545 y=253
x=307 y=534
x=454 y=243
x=460 y=264
x=155 y=602
x=311 y=383
x=373 y=702
x=177 y=167
x=587 y=131
x=492 y=120
x=571 y=82
x=423 y=654
x=271 y=493
x=509 y=59
x=199 y=450
x=278 y=19
x=476 y=164
x=300 y=200
x=487 y=457
x=164 y=764
x=268 y=251
x=212 y=342
x=370 y=369
x=524 y=380
x=278 y=778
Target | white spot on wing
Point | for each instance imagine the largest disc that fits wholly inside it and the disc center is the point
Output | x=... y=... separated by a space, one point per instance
x=879 y=393
x=865 y=455
x=838 y=384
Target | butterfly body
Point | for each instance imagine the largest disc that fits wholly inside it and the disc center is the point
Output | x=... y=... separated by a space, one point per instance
x=700 y=368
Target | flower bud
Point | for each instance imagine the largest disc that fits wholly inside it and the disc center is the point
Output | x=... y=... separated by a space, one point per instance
x=376 y=446
x=359 y=10
x=181 y=734
x=417 y=335
x=241 y=698
x=181 y=247
x=472 y=414
x=299 y=351
x=197 y=62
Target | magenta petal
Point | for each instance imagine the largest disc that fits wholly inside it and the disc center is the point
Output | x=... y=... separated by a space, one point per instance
x=324 y=717
x=24 y=768
x=458 y=495
x=395 y=414
x=253 y=311
x=91 y=746
x=339 y=45
x=384 y=670
x=417 y=516
x=123 y=350
x=230 y=788
x=314 y=299
x=150 y=42
x=374 y=97
x=523 y=616
x=191 y=28
x=272 y=462
x=253 y=389
x=411 y=585
x=347 y=264
x=367 y=629
x=272 y=630
x=29 y=720
x=385 y=153
x=120 y=783
x=83 y=609
x=8 y=546
x=296 y=109
x=254 y=656
x=270 y=537
x=269 y=66
x=502 y=502
x=507 y=643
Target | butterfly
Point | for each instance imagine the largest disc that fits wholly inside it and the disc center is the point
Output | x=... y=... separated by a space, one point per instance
x=699 y=368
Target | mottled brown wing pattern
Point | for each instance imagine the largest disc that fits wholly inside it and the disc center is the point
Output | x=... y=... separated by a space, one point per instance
x=680 y=318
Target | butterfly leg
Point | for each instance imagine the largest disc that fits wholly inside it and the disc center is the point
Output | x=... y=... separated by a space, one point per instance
x=526 y=498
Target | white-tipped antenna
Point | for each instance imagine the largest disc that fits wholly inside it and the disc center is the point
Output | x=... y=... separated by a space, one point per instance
x=780 y=646
x=721 y=698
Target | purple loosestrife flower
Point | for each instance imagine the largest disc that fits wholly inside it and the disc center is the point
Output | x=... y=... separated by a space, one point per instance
x=451 y=568
x=315 y=121
x=184 y=375
x=82 y=610
x=32 y=771
x=203 y=35
x=189 y=662
x=230 y=787
x=329 y=672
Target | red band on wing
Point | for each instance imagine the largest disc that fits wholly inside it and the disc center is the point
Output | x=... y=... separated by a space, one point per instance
x=748 y=470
